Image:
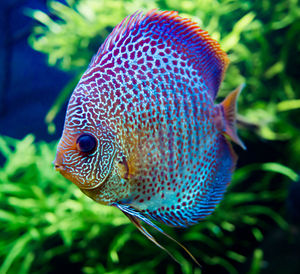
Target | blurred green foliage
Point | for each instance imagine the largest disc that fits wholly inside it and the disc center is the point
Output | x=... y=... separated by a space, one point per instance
x=47 y=224
x=259 y=36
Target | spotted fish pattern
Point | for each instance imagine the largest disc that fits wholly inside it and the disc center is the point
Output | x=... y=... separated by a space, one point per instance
x=147 y=101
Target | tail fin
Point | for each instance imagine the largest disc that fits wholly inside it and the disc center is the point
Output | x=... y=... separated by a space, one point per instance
x=230 y=106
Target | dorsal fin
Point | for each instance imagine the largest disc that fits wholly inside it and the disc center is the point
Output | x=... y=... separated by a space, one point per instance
x=183 y=35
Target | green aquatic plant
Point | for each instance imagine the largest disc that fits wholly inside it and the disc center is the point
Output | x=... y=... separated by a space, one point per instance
x=47 y=223
x=259 y=36
x=72 y=40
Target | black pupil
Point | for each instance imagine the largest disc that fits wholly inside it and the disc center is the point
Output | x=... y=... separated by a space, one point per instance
x=86 y=143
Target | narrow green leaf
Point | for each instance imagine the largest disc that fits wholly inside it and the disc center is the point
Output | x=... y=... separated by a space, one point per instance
x=279 y=168
x=256 y=262
x=288 y=105
x=17 y=249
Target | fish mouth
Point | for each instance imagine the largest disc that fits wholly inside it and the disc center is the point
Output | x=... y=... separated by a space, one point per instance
x=58 y=167
x=58 y=162
x=62 y=170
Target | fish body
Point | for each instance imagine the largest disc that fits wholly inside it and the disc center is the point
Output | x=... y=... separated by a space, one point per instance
x=142 y=131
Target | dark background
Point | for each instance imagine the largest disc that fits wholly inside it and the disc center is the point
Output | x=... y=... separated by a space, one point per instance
x=28 y=86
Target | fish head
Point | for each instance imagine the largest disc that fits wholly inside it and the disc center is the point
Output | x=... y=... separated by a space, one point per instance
x=86 y=151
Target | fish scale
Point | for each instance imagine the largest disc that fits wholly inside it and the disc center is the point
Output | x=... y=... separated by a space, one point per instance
x=147 y=101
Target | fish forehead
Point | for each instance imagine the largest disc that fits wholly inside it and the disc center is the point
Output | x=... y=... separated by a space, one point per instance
x=82 y=109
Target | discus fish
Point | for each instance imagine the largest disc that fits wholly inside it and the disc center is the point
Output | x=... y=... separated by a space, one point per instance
x=142 y=132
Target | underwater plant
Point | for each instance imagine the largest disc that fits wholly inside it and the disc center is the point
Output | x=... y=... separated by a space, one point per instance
x=47 y=224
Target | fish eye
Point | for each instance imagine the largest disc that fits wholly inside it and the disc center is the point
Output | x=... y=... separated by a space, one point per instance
x=86 y=143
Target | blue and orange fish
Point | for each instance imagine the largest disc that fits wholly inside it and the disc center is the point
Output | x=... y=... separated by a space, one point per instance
x=142 y=132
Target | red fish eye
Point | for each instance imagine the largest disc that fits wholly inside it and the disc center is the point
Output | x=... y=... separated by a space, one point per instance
x=86 y=143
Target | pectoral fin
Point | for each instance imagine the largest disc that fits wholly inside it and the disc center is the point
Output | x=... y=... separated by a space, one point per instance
x=230 y=106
